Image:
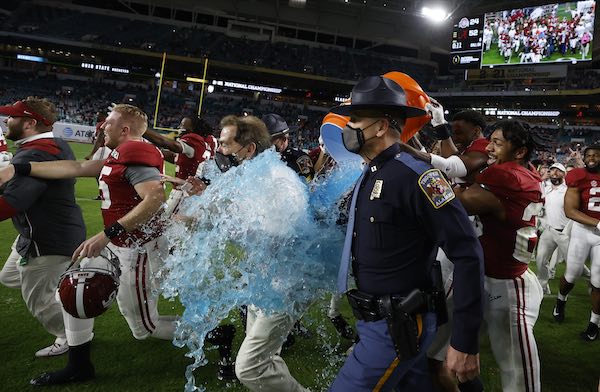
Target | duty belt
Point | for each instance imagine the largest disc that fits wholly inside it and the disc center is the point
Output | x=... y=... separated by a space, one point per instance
x=369 y=307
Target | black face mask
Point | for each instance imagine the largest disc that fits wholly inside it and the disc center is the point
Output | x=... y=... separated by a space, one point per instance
x=226 y=162
x=354 y=138
x=556 y=181
x=593 y=169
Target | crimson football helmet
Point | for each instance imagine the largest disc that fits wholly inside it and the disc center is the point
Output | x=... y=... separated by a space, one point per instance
x=88 y=290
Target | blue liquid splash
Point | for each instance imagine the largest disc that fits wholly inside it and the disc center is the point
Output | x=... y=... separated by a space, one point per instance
x=257 y=235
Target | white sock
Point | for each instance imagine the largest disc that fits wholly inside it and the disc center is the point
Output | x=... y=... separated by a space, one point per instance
x=595 y=318
x=60 y=340
x=562 y=297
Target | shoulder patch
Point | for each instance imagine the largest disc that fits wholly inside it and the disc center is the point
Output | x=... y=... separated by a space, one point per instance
x=436 y=188
x=304 y=164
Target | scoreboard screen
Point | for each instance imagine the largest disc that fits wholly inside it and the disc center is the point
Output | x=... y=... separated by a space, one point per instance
x=467 y=41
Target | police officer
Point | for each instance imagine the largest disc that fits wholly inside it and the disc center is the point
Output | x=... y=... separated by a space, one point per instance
x=401 y=211
x=296 y=159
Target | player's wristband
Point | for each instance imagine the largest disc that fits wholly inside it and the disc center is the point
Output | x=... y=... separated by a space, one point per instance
x=22 y=169
x=441 y=132
x=114 y=230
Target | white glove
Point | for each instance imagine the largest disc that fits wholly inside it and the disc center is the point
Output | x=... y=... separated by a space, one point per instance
x=436 y=111
x=598 y=226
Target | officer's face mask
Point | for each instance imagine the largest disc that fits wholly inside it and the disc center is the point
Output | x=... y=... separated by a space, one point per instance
x=226 y=162
x=354 y=138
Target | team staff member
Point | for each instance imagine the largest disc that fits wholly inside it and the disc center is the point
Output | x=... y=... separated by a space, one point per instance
x=507 y=196
x=132 y=194
x=555 y=221
x=44 y=213
x=296 y=159
x=258 y=364
x=582 y=206
x=402 y=210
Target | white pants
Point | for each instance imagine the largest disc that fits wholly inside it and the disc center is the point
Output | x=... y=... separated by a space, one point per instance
x=10 y=276
x=548 y=242
x=334 y=305
x=37 y=279
x=258 y=365
x=585 y=241
x=137 y=298
x=512 y=309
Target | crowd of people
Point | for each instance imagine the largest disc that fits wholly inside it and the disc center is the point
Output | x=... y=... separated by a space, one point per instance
x=535 y=34
x=469 y=208
x=199 y=42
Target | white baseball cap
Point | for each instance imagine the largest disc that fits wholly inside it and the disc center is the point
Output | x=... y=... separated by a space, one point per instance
x=559 y=166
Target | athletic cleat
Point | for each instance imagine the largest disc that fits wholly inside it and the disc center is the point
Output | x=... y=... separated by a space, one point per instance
x=65 y=376
x=591 y=333
x=53 y=350
x=559 y=311
x=343 y=328
x=226 y=371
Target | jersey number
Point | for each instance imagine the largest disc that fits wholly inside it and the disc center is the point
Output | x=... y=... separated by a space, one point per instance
x=106 y=170
x=526 y=239
x=594 y=202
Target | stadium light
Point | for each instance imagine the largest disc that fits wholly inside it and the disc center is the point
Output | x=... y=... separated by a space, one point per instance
x=437 y=14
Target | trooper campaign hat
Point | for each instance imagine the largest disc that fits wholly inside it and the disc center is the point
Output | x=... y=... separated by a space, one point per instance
x=380 y=94
x=276 y=125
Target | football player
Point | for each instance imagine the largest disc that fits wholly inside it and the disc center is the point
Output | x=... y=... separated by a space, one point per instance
x=582 y=205
x=195 y=145
x=132 y=194
x=463 y=156
x=189 y=152
x=507 y=196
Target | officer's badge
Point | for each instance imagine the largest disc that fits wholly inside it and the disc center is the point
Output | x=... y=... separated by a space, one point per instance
x=436 y=188
x=377 y=188
x=304 y=164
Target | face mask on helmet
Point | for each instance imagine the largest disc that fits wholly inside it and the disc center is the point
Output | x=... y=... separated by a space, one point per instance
x=89 y=290
x=354 y=138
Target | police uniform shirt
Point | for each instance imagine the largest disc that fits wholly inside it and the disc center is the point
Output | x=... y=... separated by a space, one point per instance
x=405 y=210
x=299 y=161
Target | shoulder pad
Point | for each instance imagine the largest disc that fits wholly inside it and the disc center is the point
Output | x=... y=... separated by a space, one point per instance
x=413 y=163
x=436 y=188
x=192 y=137
x=509 y=177
x=575 y=176
x=138 y=153
x=478 y=145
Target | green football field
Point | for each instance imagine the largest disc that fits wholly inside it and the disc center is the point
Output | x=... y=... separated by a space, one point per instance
x=493 y=57
x=125 y=364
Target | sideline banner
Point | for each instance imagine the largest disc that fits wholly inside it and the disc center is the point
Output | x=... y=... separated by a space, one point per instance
x=68 y=131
